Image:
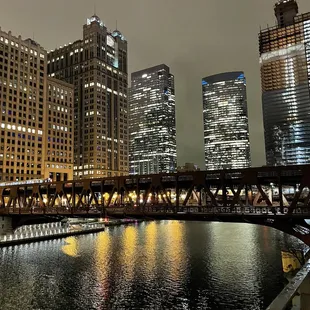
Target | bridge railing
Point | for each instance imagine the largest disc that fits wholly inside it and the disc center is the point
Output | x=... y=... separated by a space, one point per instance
x=193 y=209
x=296 y=295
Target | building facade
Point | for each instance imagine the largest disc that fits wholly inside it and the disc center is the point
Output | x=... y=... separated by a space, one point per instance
x=22 y=97
x=58 y=131
x=97 y=67
x=152 y=124
x=24 y=111
x=285 y=68
x=226 y=130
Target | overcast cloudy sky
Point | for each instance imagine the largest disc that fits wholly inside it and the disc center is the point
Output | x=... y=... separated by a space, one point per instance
x=195 y=38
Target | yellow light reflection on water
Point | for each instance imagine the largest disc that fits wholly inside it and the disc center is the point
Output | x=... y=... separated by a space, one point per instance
x=102 y=258
x=129 y=251
x=71 y=247
x=176 y=250
x=151 y=231
x=102 y=250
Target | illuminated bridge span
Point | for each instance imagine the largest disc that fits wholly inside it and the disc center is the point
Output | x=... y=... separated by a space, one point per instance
x=273 y=196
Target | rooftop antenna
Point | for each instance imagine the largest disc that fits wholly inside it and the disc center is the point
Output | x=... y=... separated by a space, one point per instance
x=116 y=25
x=33 y=35
x=94 y=8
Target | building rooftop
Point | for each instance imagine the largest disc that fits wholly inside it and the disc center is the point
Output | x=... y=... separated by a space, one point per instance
x=28 y=41
x=95 y=18
x=151 y=69
x=225 y=76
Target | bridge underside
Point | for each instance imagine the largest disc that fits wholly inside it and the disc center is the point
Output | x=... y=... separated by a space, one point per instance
x=294 y=225
x=266 y=193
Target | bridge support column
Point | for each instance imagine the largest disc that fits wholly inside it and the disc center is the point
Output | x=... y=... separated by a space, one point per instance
x=304 y=292
x=5 y=225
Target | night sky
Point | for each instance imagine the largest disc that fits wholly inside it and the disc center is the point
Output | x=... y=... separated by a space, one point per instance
x=195 y=38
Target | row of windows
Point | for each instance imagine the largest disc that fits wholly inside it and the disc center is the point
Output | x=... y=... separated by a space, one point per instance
x=21 y=122
x=31 y=97
x=60 y=134
x=15 y=178
x=22 y=68
x=59 y=121
x=23 y=157
x=23 y=58
x=59 y=159
x=19 y=164
x=9 y=141
x=38 y=172
x=58 y=147
x=63 y=102
x=288 y=30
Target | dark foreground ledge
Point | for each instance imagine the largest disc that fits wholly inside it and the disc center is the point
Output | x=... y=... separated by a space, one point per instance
x=296 y=295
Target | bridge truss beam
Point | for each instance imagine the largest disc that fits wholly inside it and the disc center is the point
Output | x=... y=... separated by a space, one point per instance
x=264 y=190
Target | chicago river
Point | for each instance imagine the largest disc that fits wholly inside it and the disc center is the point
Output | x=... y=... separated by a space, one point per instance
x=149 y=265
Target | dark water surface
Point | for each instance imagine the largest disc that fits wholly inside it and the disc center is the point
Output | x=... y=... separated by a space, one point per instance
x=153 y=265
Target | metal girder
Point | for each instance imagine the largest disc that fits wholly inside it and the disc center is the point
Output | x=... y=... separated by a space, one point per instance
x=272 y=196
x=268 y=187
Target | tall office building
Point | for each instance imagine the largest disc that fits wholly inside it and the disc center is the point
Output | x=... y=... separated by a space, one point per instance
x=97 y=67
x=226 y=131
x=25 y=113
x=285 y=75
x=152 y=121
x=22 y=95
x=58 y=129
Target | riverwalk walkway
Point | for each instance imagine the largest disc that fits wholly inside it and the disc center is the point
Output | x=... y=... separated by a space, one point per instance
x=54 y=230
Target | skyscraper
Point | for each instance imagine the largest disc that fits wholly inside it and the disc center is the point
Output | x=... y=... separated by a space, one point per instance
x=27 y=121
x=152 y=121
x=97 y=67
x=226 y=132
x=58 y=131
x=285 y=75
x=22 y=93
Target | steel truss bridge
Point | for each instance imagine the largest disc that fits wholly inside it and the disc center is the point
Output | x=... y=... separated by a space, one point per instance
x=274 y=196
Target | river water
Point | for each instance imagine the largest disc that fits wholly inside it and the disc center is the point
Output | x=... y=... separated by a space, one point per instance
x=152 y=265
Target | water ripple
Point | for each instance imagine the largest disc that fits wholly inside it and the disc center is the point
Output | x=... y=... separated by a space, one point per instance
x=154 y=265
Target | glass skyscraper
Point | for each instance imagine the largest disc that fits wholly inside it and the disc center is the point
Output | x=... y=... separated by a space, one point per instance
x=226 y=132
x=152 y=132
x=285 y=64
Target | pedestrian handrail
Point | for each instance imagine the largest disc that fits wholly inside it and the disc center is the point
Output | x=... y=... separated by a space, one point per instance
x=299 y=286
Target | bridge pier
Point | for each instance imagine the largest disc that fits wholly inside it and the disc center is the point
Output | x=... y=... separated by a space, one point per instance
x=6 y=226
